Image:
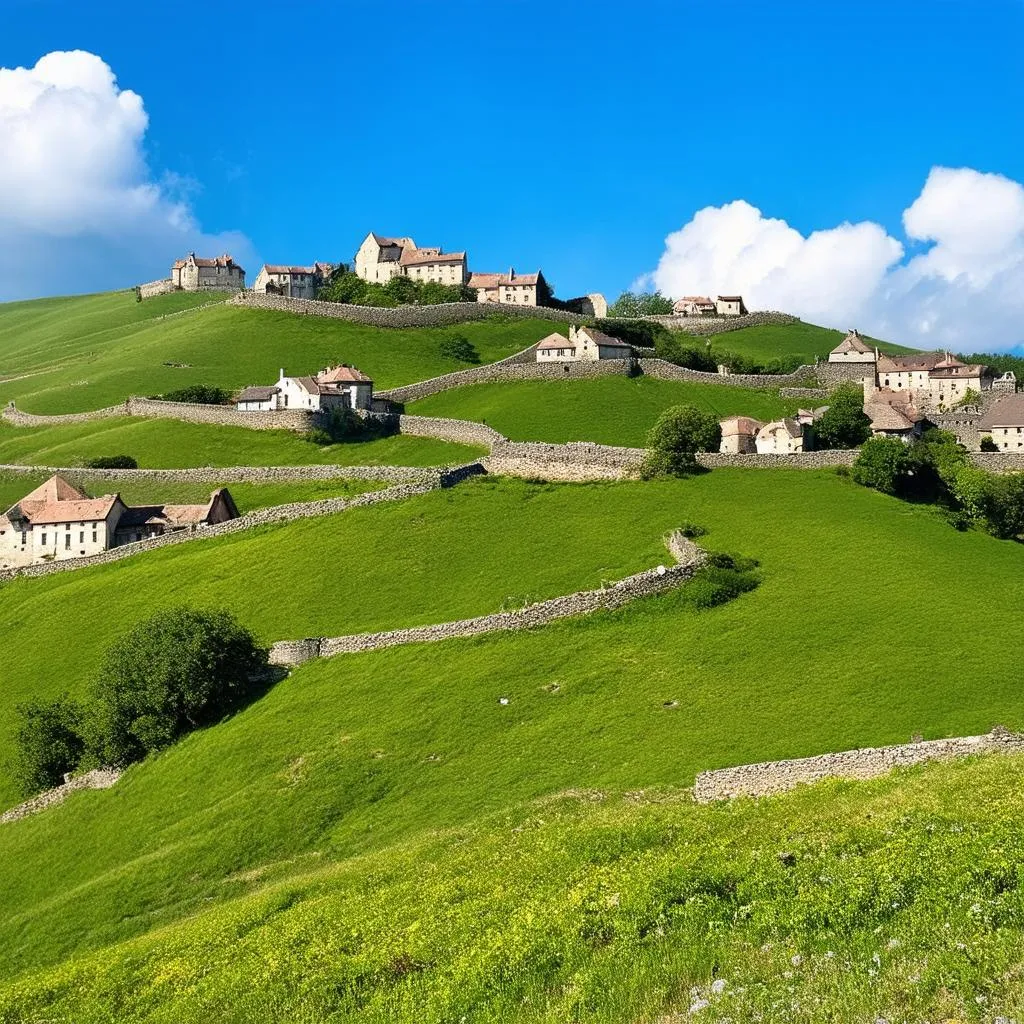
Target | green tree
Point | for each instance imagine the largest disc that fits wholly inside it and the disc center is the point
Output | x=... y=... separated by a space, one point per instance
x=988 y=445
x=344 y=286
x=460 y=349
x=172 y=673
x=843 y=424
x=404 y=290
x=680 y=432
x=48 y=742
x=883 y=463
x=633 y=304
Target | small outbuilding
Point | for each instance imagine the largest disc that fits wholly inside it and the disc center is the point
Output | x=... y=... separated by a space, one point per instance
x=780 y=437
x=739 y=435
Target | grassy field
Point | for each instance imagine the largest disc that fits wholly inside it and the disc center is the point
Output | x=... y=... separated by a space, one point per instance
x=248 y=496
x=94 y=351
x=895 y=900
x=168 y=444
x=799 y=342
x=608 y=410
x=358 y=755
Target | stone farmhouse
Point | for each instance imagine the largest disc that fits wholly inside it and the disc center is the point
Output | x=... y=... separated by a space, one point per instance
x=379 y=259
x=703 y=305
x=853 y=349
x=292 y=282
x=584 y=344
x=334 y=387
x=507 y=289
x=196 y=274
x=1003 y=421
x=780 y=437
x=893 y=414
x=57 y=521
x=739 y=435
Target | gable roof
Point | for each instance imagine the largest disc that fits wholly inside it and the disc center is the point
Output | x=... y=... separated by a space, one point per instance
x=57 y=501
x=733 y=425
x=556 y=341
x=887 y=417
x=342 y=375
x=414 y=257
x=199 y=261
x=55 y=489
x=274 y=268
x=257 y=394
x=787 y=423
x=953 y=368
x=601 y=339
x=852 y=343
x=730 y=298
x=904 y=364
x=1007 y=411
x=176 y=516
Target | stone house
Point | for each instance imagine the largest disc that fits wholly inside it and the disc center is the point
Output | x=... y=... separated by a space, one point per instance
x=433 y=266
x=780 y=437
x=730 y=305
x=584 y=344
x=893 y=414
x=377 y=258
x=511 y=288
x=292 y=282
x=853 y=349
x=196 y=274
x=57 y=521
x=739 y=434
x=950 y=380
x=1003 y=421
x=334 y=387
x=694 y=305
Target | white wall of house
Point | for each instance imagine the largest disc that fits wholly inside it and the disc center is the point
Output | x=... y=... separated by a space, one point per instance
x=775 y=439
x=723 y=308
x=292 y=396
x=267 y=405
x=1008 y=439
x=557 y=355
x=738 y=444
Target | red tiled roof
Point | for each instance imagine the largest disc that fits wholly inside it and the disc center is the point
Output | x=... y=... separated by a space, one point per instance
x=740 y=425
x=414 y=257
x=217 y=261
x=556 y=341
x=342 y=375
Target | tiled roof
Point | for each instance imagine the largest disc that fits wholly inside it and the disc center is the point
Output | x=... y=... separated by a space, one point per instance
x=342 y=375
x=904 y=364
x=415 y=257
x=273 y=268
x=217 y=261
x=55 y=489
x=740 y=425
x=257 y=394
x=1007 y=411
x=887 y=417
x=787 y=423
x=308 y=384
x=730 y=298
x=602 y=339
x=84 y=511
x=478 y=280
x=556 y=341
x=950 y=370
x=852 y=343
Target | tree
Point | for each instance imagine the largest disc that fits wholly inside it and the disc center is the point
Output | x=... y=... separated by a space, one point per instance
x=988 y=445
x=113 y=462
x=460 y=349
x=172 y=673
x=48 y=742
x=680 y=432
x=883 y=463
x=632 y=304
x=199 y=394
x=843 y=424
x=402 y=289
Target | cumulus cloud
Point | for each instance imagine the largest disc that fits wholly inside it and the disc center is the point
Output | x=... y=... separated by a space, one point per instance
x=962 y=285
x=79 y=208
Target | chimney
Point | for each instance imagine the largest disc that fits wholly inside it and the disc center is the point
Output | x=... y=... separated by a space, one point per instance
x=280 y=374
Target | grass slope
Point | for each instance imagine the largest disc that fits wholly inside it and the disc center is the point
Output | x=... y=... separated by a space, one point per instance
x=898 y=899
x=799 y=341
x=168 y=444
x=95 y=351
x=356 y=754
x=607 y=410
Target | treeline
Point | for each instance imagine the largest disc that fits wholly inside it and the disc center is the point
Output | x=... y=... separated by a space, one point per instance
x=936 y=469
x=345 y=286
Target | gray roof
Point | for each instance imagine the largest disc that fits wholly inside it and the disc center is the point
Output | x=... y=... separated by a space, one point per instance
x=257 y=394
x=1007 y=411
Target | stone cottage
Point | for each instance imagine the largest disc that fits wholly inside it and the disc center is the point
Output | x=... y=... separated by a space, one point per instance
x=433 y=266
x=893 y=414
x=292 y=282
x=378 y=256
x=853 y=349
x=739 y=434
x=57 y=521
x=584 y=344
x=1003 y=421
x=196 y=274
x=510 y=289
x=730 y=305
x=334 y=387
x=694 y=305
x=780 y=437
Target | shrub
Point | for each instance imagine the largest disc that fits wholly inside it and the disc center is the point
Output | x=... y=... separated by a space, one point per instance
x=459 y=348
x=112 y=462
x=203 y=394
x=172 y=673
x=988 y=445
x=680 y=432
x=717 y=584
x=692 y=530
x=640 y=333
x=883 y=463
x=317 y=435
x=48 y=742
x=632 y=304
x=843 y=424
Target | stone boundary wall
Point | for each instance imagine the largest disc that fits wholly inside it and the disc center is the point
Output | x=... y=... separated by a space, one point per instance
x=458 y=431
x=98 y=778
x=999 y=462
x=442 y=315
x=508 y=371
x=771 y=777
x=809 y=393
x=702 y=326
x=689 y=558
x=153 y=288
x=258 y=517
x=233 y=474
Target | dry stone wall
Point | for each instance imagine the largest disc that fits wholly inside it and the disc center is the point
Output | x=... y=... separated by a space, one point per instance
x=706 y=326
x=99 y=778
x=771 y=777
x=152 y=288
x=232 y=474
x=442 y=315
x=689 y=557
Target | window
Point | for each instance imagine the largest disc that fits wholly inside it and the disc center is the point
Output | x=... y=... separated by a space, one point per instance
x=81 y=537
x=67 y=542
x=44 y=538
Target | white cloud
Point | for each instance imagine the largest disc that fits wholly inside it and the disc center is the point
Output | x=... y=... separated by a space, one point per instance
x=965 y=290
x=79 y=209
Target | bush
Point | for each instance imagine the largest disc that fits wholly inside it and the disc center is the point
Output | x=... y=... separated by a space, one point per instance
x=317 y=435
x=883 y=463
x=631 y=304
x=692 y=530
x=203 y=394
x=680 y=432
x=459 y=348
x=639 y=333
x=717 y=584
x=843 y=424
x=48 y=742
x=988 y=445
x=173 y=673
x=113 y=462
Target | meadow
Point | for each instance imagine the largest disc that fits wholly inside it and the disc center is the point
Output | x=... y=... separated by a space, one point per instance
x=72 y=355
x=615 y=410
x=895 y=900
x=359 y=755
x=170 y=444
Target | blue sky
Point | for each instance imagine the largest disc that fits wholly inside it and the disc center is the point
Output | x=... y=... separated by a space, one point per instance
x=573 y=136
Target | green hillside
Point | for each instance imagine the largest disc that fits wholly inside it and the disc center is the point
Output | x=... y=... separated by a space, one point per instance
x=169 y=444
x=85 y=353
x=356 y=754
x=609 y=410
x=894 y=900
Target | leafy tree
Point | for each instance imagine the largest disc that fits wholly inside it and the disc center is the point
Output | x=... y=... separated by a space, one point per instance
x=640 y=333
x=971 y=397
x=344 y=286
x=113 y=462
x=988 y=445
x=680 y=432
x=883 y=463
x=459 y=348
x=172 y=673
x=402 y=289
x=633 y=304
x=843 y=424
x=48 y=742
x=202 y=394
